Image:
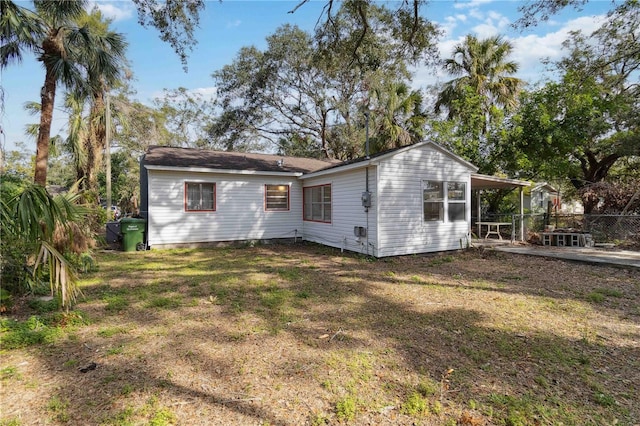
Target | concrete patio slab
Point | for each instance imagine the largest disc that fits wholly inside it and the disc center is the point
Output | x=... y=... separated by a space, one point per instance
x=624 y=258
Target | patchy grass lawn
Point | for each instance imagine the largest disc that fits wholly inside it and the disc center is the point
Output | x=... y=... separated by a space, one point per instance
x=293 y=335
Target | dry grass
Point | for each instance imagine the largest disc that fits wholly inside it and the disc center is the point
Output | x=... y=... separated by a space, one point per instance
x=292 y=335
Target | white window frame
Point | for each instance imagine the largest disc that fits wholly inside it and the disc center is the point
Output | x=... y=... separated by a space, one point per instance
x=442 y=194
x=433 y=194
x=453 y=188
x=275 y=193
x=199 y=207
x=323 y=207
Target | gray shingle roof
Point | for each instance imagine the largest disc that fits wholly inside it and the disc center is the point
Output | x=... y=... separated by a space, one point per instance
x=189 y=157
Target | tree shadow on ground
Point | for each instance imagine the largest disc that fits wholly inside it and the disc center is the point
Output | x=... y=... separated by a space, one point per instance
x=259 y=335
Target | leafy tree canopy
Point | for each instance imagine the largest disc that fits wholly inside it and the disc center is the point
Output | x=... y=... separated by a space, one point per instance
x=176 y=20
x=581 y=126
x=187 y=115
x=313 y=89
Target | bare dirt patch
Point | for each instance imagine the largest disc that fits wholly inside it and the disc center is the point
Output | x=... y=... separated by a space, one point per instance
x=291 y=335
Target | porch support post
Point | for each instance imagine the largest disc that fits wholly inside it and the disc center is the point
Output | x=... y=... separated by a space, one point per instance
x=479 y=203
x=521 y=214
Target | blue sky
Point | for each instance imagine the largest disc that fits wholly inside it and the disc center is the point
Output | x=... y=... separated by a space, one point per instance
x=227 y=26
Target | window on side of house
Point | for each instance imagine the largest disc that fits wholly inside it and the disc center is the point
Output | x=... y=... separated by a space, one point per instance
x=276 y=197
x=433 y=198
x=317 y=203
x=456 y=201
x=200 y=196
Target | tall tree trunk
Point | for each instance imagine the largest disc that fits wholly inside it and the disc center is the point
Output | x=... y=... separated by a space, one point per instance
x=589 y=204
x=593 y=171
x=96 y=140
x=323 y=134
x=44 y=132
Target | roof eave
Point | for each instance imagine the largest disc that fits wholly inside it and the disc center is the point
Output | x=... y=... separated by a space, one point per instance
x=495 y=182
x=220 y=171
x=338 y=169
x=377 y=160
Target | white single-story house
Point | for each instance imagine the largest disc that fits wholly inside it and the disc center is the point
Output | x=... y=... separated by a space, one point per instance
x=413 y=199
x=541 y=193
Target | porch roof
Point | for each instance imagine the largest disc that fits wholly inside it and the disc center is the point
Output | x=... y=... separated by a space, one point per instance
x=480 y=181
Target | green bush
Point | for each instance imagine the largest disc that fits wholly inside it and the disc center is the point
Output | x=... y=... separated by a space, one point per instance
x=415 y=405
x=346 y=408
x=6 y=300
x=20 y=334
x=42 y=306
x=17 y=276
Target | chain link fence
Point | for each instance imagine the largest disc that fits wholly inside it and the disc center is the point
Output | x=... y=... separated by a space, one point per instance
x=617 y=229
x=613 y=228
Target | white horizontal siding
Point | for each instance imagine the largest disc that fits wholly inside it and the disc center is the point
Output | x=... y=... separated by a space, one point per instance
x=239 y=215
x=347 y=212
x=402 y=229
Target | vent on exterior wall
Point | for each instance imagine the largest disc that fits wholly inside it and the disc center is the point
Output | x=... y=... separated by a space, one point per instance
x=359 y=231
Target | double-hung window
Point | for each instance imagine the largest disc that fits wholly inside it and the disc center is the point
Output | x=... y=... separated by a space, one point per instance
x=317 y=203
x=433 y=198
x=444 y=199
x=456 y=201
x=200 y=196
x=276 y=197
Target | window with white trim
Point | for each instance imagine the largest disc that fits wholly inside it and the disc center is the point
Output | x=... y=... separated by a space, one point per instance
x=317 y=203
x=438 y=203
x=199 y=196
x=433 y=198
x=456 y=201
x=276 y=197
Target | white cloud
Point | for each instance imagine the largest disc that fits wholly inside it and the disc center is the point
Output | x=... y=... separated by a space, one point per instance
x=234 y=24
x=209 y=93
x=528 y=50
x=494 y=16
x=476 y=13
x=471 y=4
x=492 y=23
x=118 y=12
x=446 y=46
x=205 y=93
x=485 y=30
x=450 y=23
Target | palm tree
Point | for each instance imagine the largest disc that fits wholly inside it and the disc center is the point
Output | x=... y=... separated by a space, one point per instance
x=64 y=48
x=103 y=64
x=74 y=104
x=33 y=221
x=481 y=66
x=399 y=119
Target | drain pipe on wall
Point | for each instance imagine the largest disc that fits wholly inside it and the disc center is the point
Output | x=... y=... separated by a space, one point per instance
x=366 y=184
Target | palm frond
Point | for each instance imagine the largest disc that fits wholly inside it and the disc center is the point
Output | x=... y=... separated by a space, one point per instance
x=35 y=212
x=20 y=30
x=32 y=107
x=63 y=280
x=58 y=13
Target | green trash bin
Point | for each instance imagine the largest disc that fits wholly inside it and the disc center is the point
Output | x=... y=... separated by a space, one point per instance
x=132 y=233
